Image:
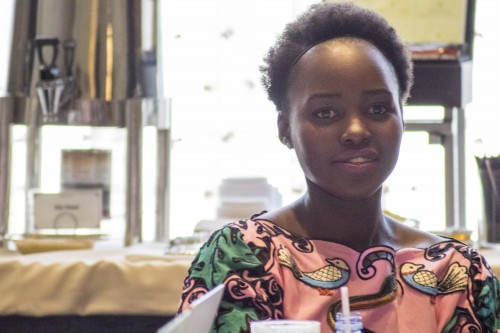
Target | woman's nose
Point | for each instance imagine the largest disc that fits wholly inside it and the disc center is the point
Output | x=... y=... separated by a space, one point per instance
x=355 y=132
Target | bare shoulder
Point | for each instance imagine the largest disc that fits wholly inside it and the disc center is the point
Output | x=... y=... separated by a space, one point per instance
x=407 y=236
x=283 y=217
x=278 y=216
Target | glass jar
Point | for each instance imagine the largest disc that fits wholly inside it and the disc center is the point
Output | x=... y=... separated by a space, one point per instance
x=354 y=322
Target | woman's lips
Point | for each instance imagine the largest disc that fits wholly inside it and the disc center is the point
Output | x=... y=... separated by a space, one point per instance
x=359 y=160
x=356 y=156
x=356 y=160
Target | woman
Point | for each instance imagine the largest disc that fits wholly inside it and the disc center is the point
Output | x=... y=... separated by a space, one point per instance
x=339 y=76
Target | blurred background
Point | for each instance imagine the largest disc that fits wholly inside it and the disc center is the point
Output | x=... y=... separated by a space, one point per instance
x=223 y=126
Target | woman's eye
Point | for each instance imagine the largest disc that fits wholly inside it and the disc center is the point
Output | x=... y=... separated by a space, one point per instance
x=378 y=110
x=325 y=113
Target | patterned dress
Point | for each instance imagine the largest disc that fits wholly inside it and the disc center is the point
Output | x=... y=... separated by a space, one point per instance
x=270 y=273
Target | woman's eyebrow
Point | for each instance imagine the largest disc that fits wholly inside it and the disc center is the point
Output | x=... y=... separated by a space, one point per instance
x=381 y=91
x=324 y=95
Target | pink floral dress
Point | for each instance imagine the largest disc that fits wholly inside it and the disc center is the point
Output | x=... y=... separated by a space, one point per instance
x=270 y=273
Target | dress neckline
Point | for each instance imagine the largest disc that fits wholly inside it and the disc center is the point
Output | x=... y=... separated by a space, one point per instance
x=256 y=219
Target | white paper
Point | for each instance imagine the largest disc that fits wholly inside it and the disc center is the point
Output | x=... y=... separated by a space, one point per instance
x=69 y=209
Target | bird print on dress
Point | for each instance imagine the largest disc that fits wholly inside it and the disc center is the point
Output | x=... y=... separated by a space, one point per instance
x=427 y=282
x=331 y=276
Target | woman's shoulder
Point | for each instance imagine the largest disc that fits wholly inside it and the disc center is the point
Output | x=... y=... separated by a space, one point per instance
x=437 y=249
x=262 y=228
x=253 y=232
x=408 y=237
x=254 y=225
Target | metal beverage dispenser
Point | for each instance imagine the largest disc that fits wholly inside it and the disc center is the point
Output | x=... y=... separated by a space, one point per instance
x=91 y=63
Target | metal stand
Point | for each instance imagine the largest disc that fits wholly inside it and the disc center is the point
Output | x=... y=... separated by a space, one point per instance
x=6 y=116
x=163 y=125
x=448 y=84
x=140 y=112
x=449 y=132
x=133 y=209
x=91 y=83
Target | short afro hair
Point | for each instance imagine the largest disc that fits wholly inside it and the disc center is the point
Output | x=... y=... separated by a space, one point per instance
x=324 y=21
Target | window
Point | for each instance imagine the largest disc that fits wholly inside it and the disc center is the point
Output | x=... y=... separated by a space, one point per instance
x=224 y=126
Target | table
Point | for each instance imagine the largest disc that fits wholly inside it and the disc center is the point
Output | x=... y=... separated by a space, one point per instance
x=110 y=285
x=106 y=289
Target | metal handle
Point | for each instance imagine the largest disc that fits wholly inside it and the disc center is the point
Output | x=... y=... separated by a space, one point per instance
x=69 y=56
x=48 y=69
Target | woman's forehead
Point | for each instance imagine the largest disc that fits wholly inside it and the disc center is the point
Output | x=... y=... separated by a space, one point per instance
x=340 y=57
x=345 y=47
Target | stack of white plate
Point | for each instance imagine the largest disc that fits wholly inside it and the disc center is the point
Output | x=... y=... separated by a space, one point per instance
x=240 y=198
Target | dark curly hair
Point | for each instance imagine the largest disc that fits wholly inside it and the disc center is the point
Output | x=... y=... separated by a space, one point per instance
x=324 y=21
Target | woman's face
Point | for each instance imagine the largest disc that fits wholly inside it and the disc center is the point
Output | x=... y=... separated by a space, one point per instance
x=344 y=117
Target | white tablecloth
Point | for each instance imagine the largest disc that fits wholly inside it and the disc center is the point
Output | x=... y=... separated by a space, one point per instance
x=125 y=281
x=140 y=280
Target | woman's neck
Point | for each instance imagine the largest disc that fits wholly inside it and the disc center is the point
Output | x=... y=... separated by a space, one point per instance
x=355 y=223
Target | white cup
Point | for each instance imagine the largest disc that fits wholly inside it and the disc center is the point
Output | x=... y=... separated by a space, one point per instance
x=285 y=326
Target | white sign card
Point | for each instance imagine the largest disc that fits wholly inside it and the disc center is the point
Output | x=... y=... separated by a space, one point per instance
x=68 y=209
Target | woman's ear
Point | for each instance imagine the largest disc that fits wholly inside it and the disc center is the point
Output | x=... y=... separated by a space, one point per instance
x=284 y=130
